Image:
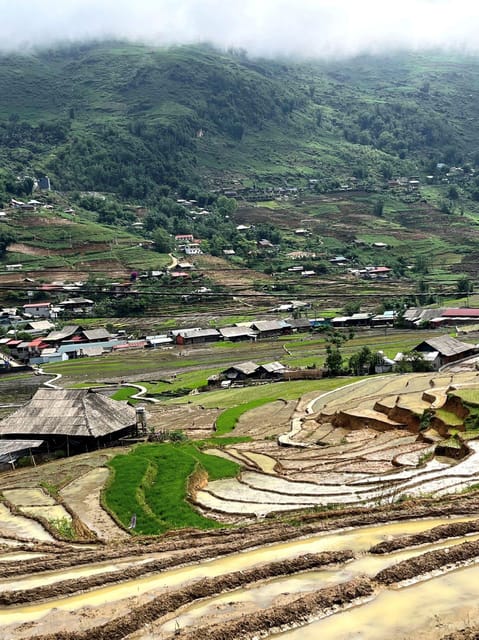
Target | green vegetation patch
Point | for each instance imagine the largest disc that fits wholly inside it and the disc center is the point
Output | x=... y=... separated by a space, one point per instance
x=448 y=417
x=468 y=396
x=152 y=483
x=269 y=392
x=227 y=421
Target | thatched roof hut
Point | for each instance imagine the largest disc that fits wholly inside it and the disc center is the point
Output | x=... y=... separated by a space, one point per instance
x=69 y=413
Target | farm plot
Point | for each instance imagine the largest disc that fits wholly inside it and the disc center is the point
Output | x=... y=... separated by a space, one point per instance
x=346 y=450
x=194 y=421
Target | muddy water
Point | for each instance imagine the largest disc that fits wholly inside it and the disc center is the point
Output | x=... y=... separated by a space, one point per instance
x=9 y=557
x=265 y=594
x=55 y=512
x=28 y=497
x=264 y=462
x=11 y=525
x=50 y=577
x=358 y=540
x=451 y=601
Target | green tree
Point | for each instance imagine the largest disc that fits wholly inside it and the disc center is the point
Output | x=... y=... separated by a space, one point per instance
x=226 y=206
x=351 y=308
x=360 y=362
x=453 y=193
x=413 y=361
x=464 y=285
x=163 y=241
x=334 y=360
x=378 y=208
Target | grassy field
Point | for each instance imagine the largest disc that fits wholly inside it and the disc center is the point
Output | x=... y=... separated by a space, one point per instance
x=152 y=483
x=226 y=422
x=227 y=398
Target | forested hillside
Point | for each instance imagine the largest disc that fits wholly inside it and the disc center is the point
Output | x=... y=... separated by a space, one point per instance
x=138 y=122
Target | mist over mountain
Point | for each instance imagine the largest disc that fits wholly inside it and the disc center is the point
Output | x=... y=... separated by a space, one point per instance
x=141 y=121
x=302 y=28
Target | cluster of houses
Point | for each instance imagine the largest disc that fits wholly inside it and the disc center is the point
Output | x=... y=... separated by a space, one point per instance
x=47 y=344
x=415 y=317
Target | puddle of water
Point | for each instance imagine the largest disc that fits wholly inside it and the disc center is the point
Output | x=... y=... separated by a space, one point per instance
x=427 y=610
x=358 y=540
x=264 y=595
x=264 y=462
x=53 y=512
x=10 y=557
x=38 y=580
x=27 y=497
x=26 y=528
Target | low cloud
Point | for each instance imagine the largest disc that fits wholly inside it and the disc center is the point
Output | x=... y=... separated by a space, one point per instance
x=306 y=28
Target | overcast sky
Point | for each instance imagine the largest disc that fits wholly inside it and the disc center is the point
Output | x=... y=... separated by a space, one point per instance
x=265 y=27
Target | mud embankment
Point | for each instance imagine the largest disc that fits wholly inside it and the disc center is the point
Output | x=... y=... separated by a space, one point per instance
x=68 y=587
x=202 y=545
x=469 y=633
x=299 y=611
x=139 y=616
x=428 y=562
x=308 y=607
x=443 y=532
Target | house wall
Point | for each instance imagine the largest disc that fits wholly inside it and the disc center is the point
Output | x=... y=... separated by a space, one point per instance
x=38 y=312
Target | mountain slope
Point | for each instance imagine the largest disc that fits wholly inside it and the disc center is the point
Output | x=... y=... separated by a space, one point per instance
x=136 y=121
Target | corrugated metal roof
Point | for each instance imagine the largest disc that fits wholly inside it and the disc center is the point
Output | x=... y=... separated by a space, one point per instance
x=447 y=346
x=97 y=334
x=460 y=313
x=13 y=446
x=236 y=332
x=247 y=368
x=41 y=325
x=68 y=412
x=202 y=333
x=270 y=325
x=273 y=367
x=67 y=331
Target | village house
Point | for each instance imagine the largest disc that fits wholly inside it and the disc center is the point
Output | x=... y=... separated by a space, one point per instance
x=271 y=328
x=242 y=371
x=76 y=306
x=75 y=420
x=37 y=309
x=38 y=327
x=271 y=370
x=197 y=336
x=444 y=350
x=237 y=334
x=453 y=317
x=184 y=238
x=192 y=250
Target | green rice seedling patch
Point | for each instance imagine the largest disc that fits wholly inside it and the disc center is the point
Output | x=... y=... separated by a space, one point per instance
x=275 y=391
x=152 y=482
x=122 y=494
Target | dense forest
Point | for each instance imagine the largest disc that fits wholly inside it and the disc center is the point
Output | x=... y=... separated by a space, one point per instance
x=144 y=123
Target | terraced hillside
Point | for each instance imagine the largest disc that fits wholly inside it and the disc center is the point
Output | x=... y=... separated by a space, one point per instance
x=319 y=551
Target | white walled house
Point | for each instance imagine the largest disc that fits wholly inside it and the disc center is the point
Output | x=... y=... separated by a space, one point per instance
x=37 y=309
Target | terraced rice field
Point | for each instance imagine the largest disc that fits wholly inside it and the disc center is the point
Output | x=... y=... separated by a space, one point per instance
x=331 y=475
x=358 y=445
